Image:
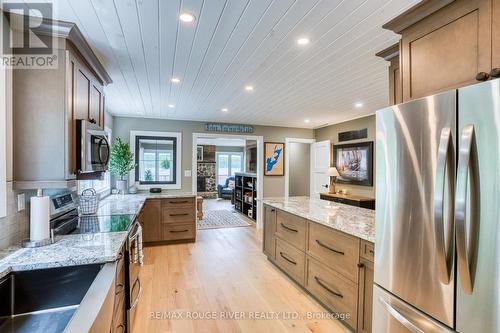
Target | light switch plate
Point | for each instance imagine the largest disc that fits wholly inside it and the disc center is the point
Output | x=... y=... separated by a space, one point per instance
x=187 y=173
x=21 y=202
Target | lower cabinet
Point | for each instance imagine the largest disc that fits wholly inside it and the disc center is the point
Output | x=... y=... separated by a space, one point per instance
x=291 y=260
x=168 y=220
x=333 y=290
x=269 y=240
x=335 y=268
x=119 y=313
x=149 y=218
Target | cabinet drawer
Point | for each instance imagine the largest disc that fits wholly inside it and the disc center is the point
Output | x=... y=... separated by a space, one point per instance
x=292 y=229
x=176 y=215
x=367 y=250
x=333 y=290
x=291 y=260
x=335 y=249
x=178 y=231
x=178 y=202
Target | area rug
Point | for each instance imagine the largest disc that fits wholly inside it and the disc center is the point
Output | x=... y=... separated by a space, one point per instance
x=214 y=219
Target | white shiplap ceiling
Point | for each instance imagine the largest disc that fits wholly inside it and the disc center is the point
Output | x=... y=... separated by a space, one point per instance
x=234 y=43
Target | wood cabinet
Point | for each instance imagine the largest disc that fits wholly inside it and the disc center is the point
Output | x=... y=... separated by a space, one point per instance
x=168 y=220
x=445 y=45
x=119 y=313
x=46 y=103
x=269 y=240
x=334 y=267
x=88 y=100
x=391 y=54
x=150 y=217
x=365 y=291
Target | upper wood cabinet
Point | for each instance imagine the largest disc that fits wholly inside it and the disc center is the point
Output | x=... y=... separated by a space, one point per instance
x=446 y=44
x=391 y=54
x=46 y=103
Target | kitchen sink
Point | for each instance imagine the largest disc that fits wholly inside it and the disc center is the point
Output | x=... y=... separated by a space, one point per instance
x=44 y=300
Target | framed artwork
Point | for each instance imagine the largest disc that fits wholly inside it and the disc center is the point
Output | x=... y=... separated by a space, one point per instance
x=199 y=153
x=354 y=162
x=274 y=159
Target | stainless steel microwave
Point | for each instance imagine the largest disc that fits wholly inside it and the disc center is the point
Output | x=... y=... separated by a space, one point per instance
x=92 y=148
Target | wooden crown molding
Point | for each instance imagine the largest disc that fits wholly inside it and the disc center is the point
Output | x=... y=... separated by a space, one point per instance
x=70 y=31
x=389 y=53
x=415 y=14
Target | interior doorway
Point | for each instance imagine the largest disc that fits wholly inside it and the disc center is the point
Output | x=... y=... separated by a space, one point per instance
x=222 y=166
x=298 y=167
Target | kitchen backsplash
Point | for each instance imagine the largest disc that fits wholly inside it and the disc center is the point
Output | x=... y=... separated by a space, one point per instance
x=15 y=226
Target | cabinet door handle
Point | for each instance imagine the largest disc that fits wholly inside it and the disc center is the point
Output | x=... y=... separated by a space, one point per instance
x=495 y=72
x=178 y=231
x=288 y=228
x=324 y=286
x=179 y=214
x=328 y=248
x=287 y=259
x=178 y=202
x=482 y=76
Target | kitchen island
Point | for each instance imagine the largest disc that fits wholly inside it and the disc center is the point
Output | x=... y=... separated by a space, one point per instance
x=327 y=249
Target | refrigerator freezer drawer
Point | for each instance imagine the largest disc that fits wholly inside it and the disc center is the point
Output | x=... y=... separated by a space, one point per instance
x=391 y=315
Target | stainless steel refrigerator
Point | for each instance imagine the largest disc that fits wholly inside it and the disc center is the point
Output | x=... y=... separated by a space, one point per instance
x=437 y=249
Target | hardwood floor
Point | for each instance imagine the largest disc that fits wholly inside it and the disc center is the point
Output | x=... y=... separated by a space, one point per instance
x=224 y=272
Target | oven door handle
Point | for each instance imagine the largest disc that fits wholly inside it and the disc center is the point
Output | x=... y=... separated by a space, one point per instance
x=136 y=301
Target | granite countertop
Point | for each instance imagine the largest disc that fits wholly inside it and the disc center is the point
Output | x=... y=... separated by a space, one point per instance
x=355 y=221
x=81 y=249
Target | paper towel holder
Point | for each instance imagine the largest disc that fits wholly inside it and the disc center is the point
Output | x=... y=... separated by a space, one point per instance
x=43 y=242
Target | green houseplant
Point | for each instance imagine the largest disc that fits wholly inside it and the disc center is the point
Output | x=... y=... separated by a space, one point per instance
x=121 y=162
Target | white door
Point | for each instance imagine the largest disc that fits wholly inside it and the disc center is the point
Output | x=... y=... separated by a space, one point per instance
x=320 y=162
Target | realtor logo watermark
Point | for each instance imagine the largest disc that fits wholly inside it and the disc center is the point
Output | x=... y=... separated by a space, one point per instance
x=27 y=39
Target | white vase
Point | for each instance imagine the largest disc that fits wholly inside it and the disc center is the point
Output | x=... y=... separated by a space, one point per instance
x=122 y=186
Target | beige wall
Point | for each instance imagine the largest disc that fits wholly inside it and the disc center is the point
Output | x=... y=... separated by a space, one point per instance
x=331 y=133
x=299 y=167
x=273 y=186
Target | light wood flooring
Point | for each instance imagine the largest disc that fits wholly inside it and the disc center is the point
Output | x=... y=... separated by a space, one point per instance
x=224 y=272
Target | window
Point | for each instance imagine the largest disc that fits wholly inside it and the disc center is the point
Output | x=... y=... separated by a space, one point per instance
x=227 y=165
x=157 y=158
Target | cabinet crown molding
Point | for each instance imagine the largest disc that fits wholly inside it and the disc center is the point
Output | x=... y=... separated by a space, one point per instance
x=415 y=14
x=70 y=31
x=389 y=53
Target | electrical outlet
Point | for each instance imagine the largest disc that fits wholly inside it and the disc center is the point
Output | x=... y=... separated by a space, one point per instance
x=21 y=202
x=187 y=173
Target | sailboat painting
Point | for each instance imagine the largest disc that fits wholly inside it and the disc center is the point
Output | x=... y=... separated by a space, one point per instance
x=354 y=162
x=274 y=156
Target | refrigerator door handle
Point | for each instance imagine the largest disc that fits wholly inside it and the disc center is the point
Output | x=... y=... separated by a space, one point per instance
x=400 y=317
x=467 y=187
x=443 y=228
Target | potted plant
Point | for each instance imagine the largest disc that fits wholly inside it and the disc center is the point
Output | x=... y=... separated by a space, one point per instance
x=121 y=162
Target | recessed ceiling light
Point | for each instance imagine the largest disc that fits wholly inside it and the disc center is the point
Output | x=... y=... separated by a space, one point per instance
x=186 y=17
x=175 y=80
x=249 y=88
x=171 y=106
x=307 y=121
x=224 y=110
x=358 y=105
x=303 y=41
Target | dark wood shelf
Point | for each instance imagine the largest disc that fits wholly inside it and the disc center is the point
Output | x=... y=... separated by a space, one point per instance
x=242 y=180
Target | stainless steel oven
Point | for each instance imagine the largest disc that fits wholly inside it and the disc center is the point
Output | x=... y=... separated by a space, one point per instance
x=135 y=261
x=92 y=148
